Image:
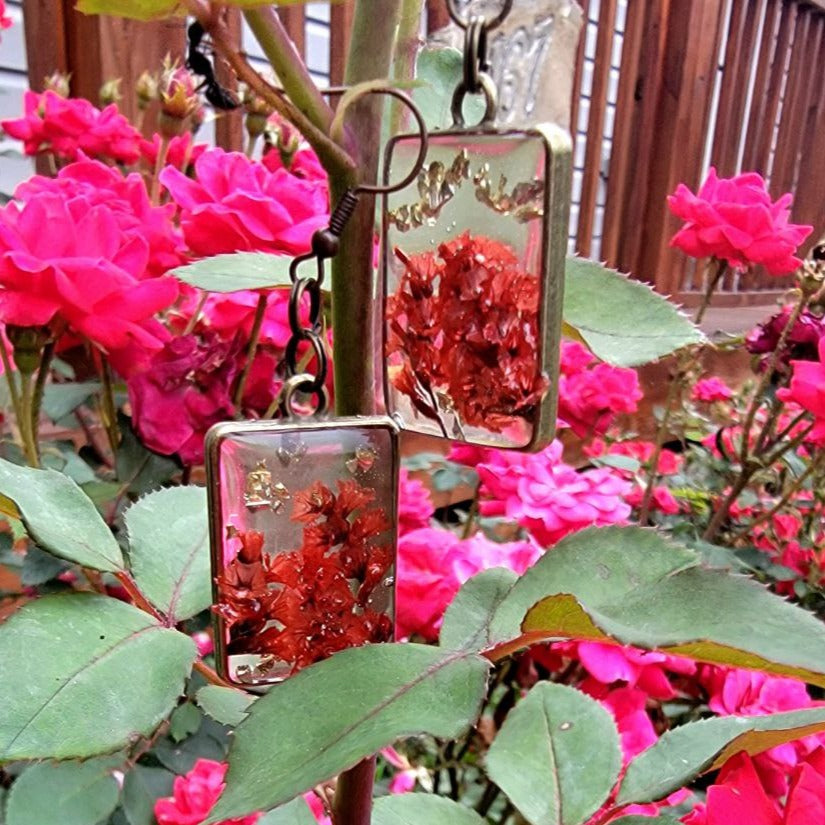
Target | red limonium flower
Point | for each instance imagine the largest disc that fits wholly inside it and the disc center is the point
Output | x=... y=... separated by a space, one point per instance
x=735 y=220
x=69 y=261
x=464 y=325
x=236 y=204
x=126 y=198
x=302 y=606
x=68 y=127
x=194 y=795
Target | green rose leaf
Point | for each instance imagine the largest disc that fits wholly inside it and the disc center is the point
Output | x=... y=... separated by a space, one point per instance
x=685 y=752
x=333 y=714
x=71 y=793
x=185 y=721
x=61 y=399
x=296 y=812
x=59 y=516
x=629 y=324
x=236 y=271
x=77 y=660
x=636 y=587
x=169 y=550
x=420 y=808
x=142 y=787
x=466 y=624
x=557 y=756
x=225 y=705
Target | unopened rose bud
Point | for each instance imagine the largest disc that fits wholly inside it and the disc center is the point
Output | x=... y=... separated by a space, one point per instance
x=28 y=343
x=146 y=89
x=110 y=92
x=178 y=101
x=257 y=112
x=57 y=82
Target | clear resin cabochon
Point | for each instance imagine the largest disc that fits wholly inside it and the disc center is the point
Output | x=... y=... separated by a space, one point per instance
x=303 y=541
x=473 y=271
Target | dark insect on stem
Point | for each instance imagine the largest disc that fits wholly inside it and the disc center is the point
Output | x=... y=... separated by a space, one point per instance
x=198 y=63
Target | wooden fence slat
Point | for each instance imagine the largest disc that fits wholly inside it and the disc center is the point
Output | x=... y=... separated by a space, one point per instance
x=578 y=70
x=229 y=131
x=757 y=122
x=340 y=28
x=294 y=20
x=437 y=15
x=595 y=126
x=622 y=157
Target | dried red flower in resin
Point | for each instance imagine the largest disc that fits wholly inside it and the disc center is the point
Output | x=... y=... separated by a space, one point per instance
x=463 y=334
x=296 y=607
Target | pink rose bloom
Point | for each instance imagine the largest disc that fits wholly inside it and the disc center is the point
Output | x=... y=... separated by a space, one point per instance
x=70 y=126
x=575 y=358
x=469 y=454
x=194 y=795
x=317 y=808
x=432 y=566
x=235 y=204
x=661 y=499
x=83 y=271
x=642 y=451
x=182 y=151
x=230 y=312
x=807 y=388
x=636 y=731
x=734 y=219
x=549 y=498
x=126 y=198
x=736 y=692
x=709 y=390
x=203 y=641
x=646 y=670
x=415 y=507
x=5 y=20
x=304 y=164
x=590 y=400
x=186 y=390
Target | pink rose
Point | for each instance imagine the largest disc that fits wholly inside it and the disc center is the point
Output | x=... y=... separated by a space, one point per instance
x=548 y=497
x=235 y=204
x=415 y=507
x=70 y=126
x=126 y=198
x=807 y=388
x=194 y=795
x=734 y=219
x=5 y=20
x=83 y=271
x=432 y=566
x=712 y=389
x=181 y=153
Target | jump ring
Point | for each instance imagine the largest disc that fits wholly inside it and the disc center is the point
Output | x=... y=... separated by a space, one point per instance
x=424 y=138
x=302 y=383
x=311 y=287
x=291 y=358
x=488 y=89
x=489 y=25
x=475 y=54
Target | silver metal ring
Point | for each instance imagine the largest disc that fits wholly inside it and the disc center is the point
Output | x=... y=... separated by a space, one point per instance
x=302 y=383
x=488 y=89
x=489 y=25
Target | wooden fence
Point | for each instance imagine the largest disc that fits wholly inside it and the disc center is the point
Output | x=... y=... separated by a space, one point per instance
x=664 y=89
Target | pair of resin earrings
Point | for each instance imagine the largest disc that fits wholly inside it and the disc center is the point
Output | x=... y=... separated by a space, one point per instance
x=303 y=510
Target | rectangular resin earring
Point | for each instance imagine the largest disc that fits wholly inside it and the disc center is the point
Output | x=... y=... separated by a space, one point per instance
x=474 y=253
x=303 y=541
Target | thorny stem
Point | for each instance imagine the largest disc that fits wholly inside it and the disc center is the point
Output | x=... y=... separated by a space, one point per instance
x=472 y=514
x=193 y=321
x=788 y=495
x=353 y=795
x=252 y=348
x=108 y=408
x=756 y=401
x=406 y=51
x=721 y=268
x=335 y=159
x=11 y=380
x=160 y=162
x=138 y=599
x=673 y=392
x=40 y=385
x=210 y=675
x=27 y=431
x=724 y=508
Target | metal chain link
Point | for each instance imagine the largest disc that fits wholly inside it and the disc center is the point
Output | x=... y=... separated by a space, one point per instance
x=325 y=243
